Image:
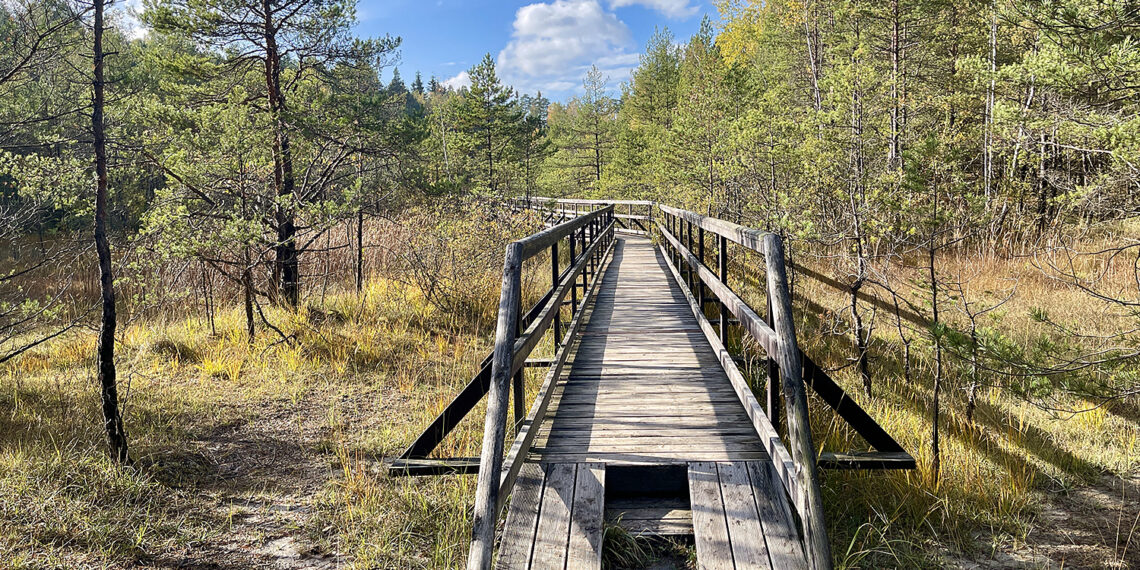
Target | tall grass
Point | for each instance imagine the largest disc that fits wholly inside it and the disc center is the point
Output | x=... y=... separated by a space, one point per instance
x=368 y=370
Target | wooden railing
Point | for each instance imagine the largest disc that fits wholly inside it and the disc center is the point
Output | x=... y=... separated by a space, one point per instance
x=683 y=231
x=590 y=238
x=588 y=228
x=632 y=216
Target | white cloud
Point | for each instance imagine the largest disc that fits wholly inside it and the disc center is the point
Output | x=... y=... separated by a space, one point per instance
x=553 y=45
x=677 y=9
x=460 y=80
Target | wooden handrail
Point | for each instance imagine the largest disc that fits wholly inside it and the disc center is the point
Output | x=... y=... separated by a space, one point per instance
x=779 y=341
x=590 y=201
x=748 y=237
x=510 y=354
x=539 y=242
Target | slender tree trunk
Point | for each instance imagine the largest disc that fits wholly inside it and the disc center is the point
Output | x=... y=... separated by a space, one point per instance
x=903 y=338
x=988 y=153
x=208 y=293
x=936 y=462
x=105 y=352
x=597 y=148
x=972 y=397
x=287 y=267
x=360 y=233
x=894 y=152
x=247 y=290
x=490 y=160
x=359 y=251
x=811 y=30
x=858 y=202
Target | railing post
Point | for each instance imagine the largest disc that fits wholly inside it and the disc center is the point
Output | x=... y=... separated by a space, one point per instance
x=795 y=400
x=680 y=235
x=772 y=390
x=586 y=267
x=701 y=256
x=520 y=376
x=572 y=239
x=494 y=428
x=593 y=225
x=722 y=271
x=554 y=285
x=689 y=246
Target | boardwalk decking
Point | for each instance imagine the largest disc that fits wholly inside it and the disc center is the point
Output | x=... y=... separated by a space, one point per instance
x=644 y=390
x=643 y=386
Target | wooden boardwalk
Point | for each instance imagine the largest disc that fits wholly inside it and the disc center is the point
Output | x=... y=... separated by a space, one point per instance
x=643 y=385
x=643 y=419
x=645 y=430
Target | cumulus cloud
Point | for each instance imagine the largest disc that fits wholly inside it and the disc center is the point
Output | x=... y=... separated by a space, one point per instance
x=554 y=43
x=463 y=79
x=677 y=9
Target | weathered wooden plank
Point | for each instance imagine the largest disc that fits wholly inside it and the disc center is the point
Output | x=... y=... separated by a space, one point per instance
x=710 y=527
x=745 y=533
x=655 y=431
x=652 y=442
x=553 y=531
x=522 y=519
x=648 y=458
x=654 y=515
x=784 y=547
x=657 y=527
x=586 y=518
x=701 y=399
x=867 y=460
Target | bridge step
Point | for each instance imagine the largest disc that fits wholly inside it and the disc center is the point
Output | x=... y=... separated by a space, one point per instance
x=741 y=518
x=651 y=516
x=555 y=518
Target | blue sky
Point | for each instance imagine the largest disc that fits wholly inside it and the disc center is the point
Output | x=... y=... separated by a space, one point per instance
x=539 y=45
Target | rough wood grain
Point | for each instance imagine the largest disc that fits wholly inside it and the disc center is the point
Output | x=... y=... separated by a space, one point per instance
x=643 y=385
x=553 y=532
x=710 y=528
x=522 y=519
x=749 y=550
x=585 y=547
x=784 y=546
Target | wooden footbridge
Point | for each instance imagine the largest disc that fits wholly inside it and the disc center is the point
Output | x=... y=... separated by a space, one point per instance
x=643 y=419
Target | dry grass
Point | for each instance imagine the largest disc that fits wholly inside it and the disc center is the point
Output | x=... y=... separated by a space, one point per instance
x=218 y=424
x=1032 y=436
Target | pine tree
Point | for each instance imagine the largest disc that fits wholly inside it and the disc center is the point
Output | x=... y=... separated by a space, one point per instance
x=584 y=132
x=490 y=120
x=649 y=100
x=700 y=124
x=287 y=37
x=396 y=85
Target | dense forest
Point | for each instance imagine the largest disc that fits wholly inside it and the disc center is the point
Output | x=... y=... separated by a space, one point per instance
x=245 y=226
